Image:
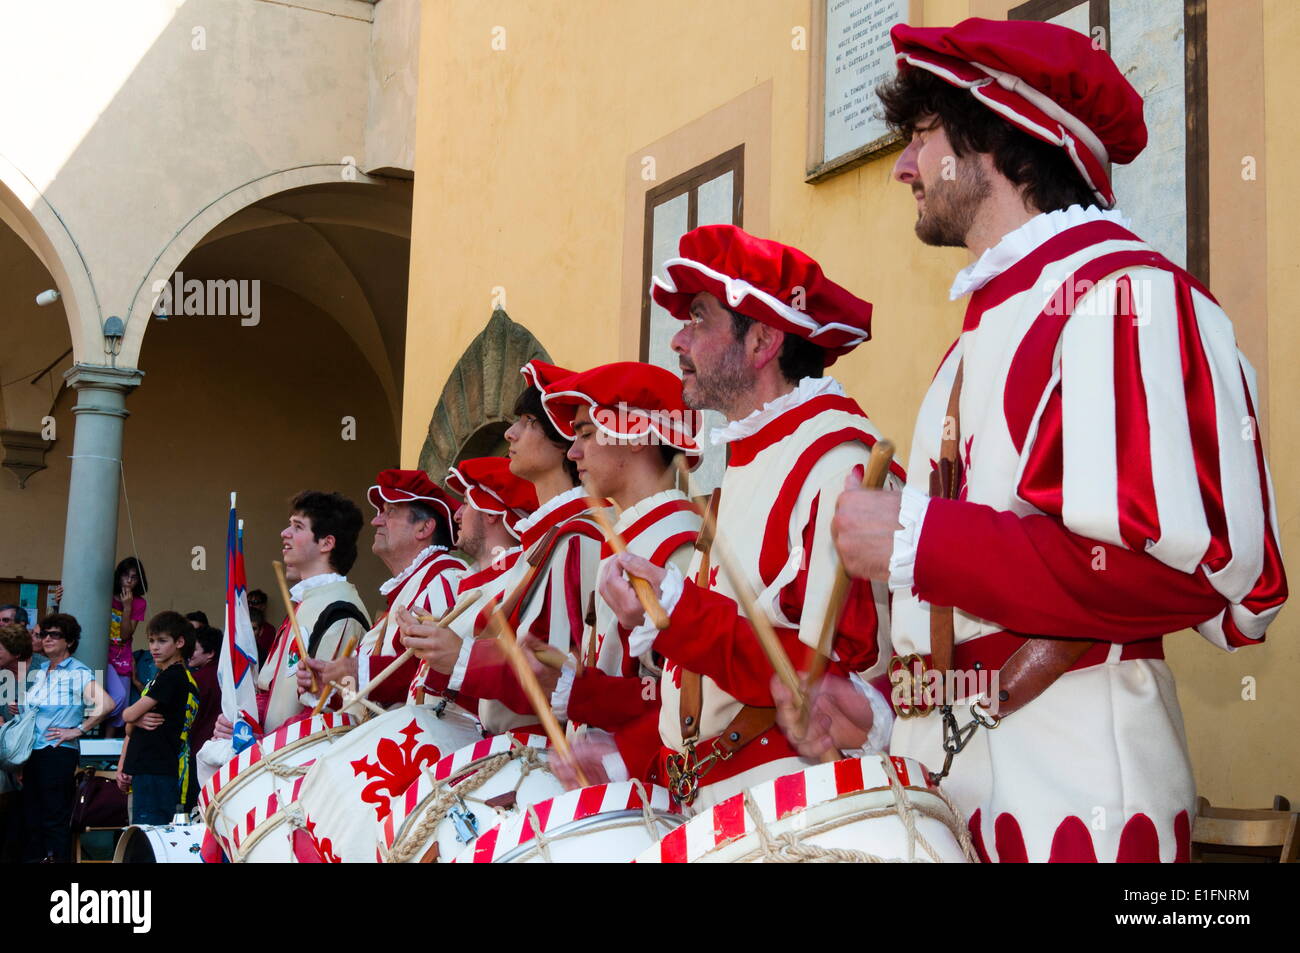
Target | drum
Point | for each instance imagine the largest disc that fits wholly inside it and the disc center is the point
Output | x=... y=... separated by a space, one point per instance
x=244 y=804
x=465 y=795
x=859 y=809
x=605 y=823
x=347 y=792
x=160 y=844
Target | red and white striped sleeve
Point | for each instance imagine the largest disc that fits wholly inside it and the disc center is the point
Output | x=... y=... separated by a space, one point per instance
x=1146 y=437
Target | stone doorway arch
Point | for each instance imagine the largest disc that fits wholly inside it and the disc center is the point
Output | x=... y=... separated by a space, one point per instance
x=472 y=415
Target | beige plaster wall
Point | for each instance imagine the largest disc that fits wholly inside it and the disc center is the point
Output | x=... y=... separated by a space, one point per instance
x=522 y=190
x=393 y=87
x=150 y=112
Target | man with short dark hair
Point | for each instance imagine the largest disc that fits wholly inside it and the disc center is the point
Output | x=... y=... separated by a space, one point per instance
x=263 y=631
x=761 y=323
x=320 y=547
x=1085 y=466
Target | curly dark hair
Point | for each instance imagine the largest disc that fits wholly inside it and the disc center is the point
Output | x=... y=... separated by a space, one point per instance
x=66 y=624
x=332 y=514
x=1048 y=177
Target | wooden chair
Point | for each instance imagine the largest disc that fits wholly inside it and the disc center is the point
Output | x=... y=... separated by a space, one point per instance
x=1256 y=834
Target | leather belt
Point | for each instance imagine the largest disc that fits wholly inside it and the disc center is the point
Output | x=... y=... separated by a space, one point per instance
x=905 y=684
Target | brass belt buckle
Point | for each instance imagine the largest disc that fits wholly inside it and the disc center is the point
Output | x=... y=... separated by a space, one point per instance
x=908 y=694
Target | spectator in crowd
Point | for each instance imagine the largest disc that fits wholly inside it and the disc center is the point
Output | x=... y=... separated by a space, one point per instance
x=68 y=703
x=156 y=762
x=198 y=618
x=127 y=611
x=263 y=631
x=203 y=666
x=11 y=614
x=15 y=649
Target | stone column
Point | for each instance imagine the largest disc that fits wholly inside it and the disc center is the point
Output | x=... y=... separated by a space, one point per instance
x=90 y=539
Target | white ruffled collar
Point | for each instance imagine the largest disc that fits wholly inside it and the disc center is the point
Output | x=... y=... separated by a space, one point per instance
x=550 y=506
x=1019 y=242
x=305 y=586
x=641 y=507
x=405 y=574
x=806 y=390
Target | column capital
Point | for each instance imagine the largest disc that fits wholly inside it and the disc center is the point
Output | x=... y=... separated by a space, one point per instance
x=121 y=379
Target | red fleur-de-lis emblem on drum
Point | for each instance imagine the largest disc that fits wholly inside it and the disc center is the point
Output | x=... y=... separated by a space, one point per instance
x=397 y=769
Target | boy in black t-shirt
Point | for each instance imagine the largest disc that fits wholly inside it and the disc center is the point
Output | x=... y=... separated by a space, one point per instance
x=156 y=761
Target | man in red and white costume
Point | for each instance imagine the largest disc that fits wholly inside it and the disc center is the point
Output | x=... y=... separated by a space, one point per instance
x=549 y=604
x=627 y=422
x=495 y=502
x=413 y=534
x=1109 y=484
x=762 y=323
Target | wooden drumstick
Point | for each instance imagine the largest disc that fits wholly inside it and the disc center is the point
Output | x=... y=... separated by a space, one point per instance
x=645 y=592
x=463 y=603
x=293 y=620
x=325 y=695
x=541 y=704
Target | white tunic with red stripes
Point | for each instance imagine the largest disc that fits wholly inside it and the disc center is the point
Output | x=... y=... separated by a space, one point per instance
x=554 y=611
x=490 y=582
x=428 y=585
x=1115 y=489
x=787 y=466
x=618 y=692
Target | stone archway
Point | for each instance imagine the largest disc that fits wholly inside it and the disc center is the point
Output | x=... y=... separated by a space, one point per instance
x=472 y=415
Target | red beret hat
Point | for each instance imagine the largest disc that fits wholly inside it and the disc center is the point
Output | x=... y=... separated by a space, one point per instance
x=627 y=401
x=1044 y=78
x=765 y=280
x=407 y=486
x=487 y=484
x=539 y=374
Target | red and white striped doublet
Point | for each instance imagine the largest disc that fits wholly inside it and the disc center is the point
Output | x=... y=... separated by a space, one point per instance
x=554 y=611
x=612 y=695
x=778 y=497
x=1115 y=489
x=429 y=586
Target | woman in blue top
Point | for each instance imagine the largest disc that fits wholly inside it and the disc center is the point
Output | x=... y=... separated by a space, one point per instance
x=61 y=692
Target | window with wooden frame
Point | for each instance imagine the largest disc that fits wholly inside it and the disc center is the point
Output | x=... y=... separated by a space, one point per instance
x=709 y=194
x=1159 y=45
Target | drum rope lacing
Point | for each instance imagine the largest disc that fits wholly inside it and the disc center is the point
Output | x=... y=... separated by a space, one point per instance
x=446 y=795
x=787 y=849
x=542 y=841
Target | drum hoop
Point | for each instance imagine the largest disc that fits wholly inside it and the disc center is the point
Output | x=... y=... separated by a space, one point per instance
x=623 y=818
